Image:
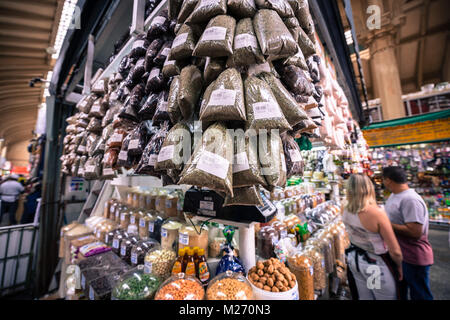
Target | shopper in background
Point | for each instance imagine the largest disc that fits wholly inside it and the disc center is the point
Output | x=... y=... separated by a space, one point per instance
x=34 y=189
x=10 y=191
x=374 y=258
x=409 y=217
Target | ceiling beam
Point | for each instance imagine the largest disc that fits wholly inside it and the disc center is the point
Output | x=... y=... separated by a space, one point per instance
x=421 y=46
x=430 y=32
x=26 y=21
x=17 y=52
x=38 y=9
x=22 y=34
x=15 y=43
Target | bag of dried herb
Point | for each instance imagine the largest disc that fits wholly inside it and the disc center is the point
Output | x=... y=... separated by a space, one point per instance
x=172 y=177
x=271 y=157
x=213 y=68
x=313 y=67
x=184 y=43
x=273 y=36
x=162 y=54
x=91 y=142
x=159 y=26
x=92 y=168
x=293 y=112
x=174 y=8
x=136 y=74
x=217 y=39
x=123 y=159
x=291 y=23
x=246 y=166
x=155 y=81
x=223 y=100
x=161 y=113
x=176 y=150
x=152 y=52
x=150 y=155
x=139 y=47
x=297 y=60
x=242 y=8
x=211 y=164
x=173 y=108
x=296 y=80
x=263 y=110
x=136 y=96
x=282 y=7
x=139 y=138
x=207 y=9
x=110 y=158
x=186 y=9
x=306 y=44
x=246 y=196
x=127 y=112
x=148 y=109
x=85 y=104
x=303 y=126
x=304 y=18
x=246 y=47
x=97 y=110
x=173 y=68
x=190 y=88
x=294 y=160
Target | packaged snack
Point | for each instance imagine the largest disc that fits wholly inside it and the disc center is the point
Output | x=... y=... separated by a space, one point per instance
x=229 y=261
x=181 y=287
x=229 y=286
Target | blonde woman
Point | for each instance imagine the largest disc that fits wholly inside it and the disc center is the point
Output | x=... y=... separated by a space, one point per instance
x=374 y=258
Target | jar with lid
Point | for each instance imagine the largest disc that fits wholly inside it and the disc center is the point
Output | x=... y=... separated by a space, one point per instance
x=160 y=262
x=194 y=236
x=117 y=241
x=118 y=213
x=125 y=248
x=339 y=242
x=109 y=237
x=169 y=234
x=135 y=216
x=160 y=201
x=112 y=210
x=130 y=198
x=135 y=200
x=281 y=228
x=136 y=285
x=125 y=218
x=103 y=231
x=327 y=251
x=140 y=249
x=181 y=287
x=302 y=267
x=143 y=224
x=141 y=200
x=266 y=239
x=171 y=202
x=154 y=225
x=151 y=199
x=318 y=261
x=107 y=208
x=216 y=239
x=229 y=286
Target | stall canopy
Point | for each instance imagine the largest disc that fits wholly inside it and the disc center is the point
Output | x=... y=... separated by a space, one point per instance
x=430 y=127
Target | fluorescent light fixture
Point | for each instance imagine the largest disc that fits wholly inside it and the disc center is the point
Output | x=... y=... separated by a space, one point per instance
x=64 y=24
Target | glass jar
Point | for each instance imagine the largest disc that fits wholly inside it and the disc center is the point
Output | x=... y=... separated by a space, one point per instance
x=125 y=218
x=135 y=215
x=125 y=248
x=171 y=205
x=130 y=198
x=143 y=224
x=112 y=210
x=169 y=234
x=160 y=201
x=301 y=266
x=215 y=239
x=107 y=208
x=327 y=251
x=117 y=241
x=290 y=222
x=181 y=287
x=135 y=199
x=194 y=236
x=109 y=237
x=229 y=286
x=281 y=228
x=151 y=199
x=142 y=200
x=136 y=285
x=318 y=261
x=160 y=262
x=155 y=224
x=118 y=213
x=140 y=249
x=266 y=239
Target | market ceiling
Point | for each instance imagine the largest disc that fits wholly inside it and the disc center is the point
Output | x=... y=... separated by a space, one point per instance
x=27 y=29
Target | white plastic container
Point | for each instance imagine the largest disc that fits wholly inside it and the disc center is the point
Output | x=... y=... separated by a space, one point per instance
x=259 y=294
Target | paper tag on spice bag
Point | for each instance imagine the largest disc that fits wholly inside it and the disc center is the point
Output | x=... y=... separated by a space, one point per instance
x=179 y=40
x=240 y=162
x=152 y=160
x=165 y=51
x=222 y=97
x=214 y=34
x=255 y=69
x=108 y=172
x=267 y=109
x=154 y=73
x=206 y=3
x=163 y=105
x=245 y=40
x=134 y=144
x=213 y=164
x=148 y=267
x=117 y=137
x=95 y=108
x=138 y=43
x=295 y=155
x=166 y=153
x=158 y=20
x=123 y=155
x=89 y=169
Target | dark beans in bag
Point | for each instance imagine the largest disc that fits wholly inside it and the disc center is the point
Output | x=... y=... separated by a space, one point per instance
x=148 y=109
x=242 y=8
x=162 y=54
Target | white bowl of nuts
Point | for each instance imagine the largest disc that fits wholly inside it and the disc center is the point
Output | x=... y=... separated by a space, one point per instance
x=272 y=280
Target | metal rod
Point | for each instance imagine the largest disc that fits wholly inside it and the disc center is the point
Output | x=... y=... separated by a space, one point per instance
x=5 y=259
x=17 y=257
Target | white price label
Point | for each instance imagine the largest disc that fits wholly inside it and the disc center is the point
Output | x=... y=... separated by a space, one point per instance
x=206 y=3
x=82 y=149
x=183 y=239
x=123 y=250
x=151 y=226
x=108 y=172
x=311 y=270
x=267 y=109
x=89 y=169
x=147 y=267
x=154 y=73
x=295 y=155
x=83 y=282
x=222 y=97
x=166 y=153
x=283 y=233
x=115 y=244
x=163 y=105
x=240 y=162
x=163 y=233
x=213 y=164
x=207 y=205
x=134 y=144
x=134 y=258
x=168 y=204
x=123 y=155
x=138 y=43
x=153 y=159
x=169 y=62
x=283 y=162
x=122 y=216
x=132 y=219
x=245 y=40
x=258 y=68
x=117 y=137
x=158 y=20
x=214 y=34
x=95 y=108
x=142 y=222
x=179 y=40
x=165 y=51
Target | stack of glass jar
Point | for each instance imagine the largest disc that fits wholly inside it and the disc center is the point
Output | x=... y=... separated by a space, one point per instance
x=293 y=199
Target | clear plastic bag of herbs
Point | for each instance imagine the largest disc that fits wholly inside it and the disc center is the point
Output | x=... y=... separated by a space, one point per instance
x=190 y=89
x=211 y=163
x=282 y=7
x=148 y=109
x=242 y=8
x=152 y=51
x=139 y=138
x=176 y=149
x=294 y=160
x=246 y=196
x=246 y=49
x=217 y=39
x=159 y=26
x=272 y=160
x=161 y=113
x=184 y=43
x=207 y=9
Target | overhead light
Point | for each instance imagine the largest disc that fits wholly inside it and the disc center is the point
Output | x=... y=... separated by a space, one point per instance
x=64 y=23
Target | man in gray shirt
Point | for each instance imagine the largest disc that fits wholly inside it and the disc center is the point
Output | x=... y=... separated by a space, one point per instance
x=409 y=217
x=10 y=191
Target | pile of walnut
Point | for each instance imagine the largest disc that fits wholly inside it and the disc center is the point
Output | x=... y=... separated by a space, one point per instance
x=272 y=275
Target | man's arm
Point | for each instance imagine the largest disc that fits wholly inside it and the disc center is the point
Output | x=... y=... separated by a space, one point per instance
x=411 y=230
